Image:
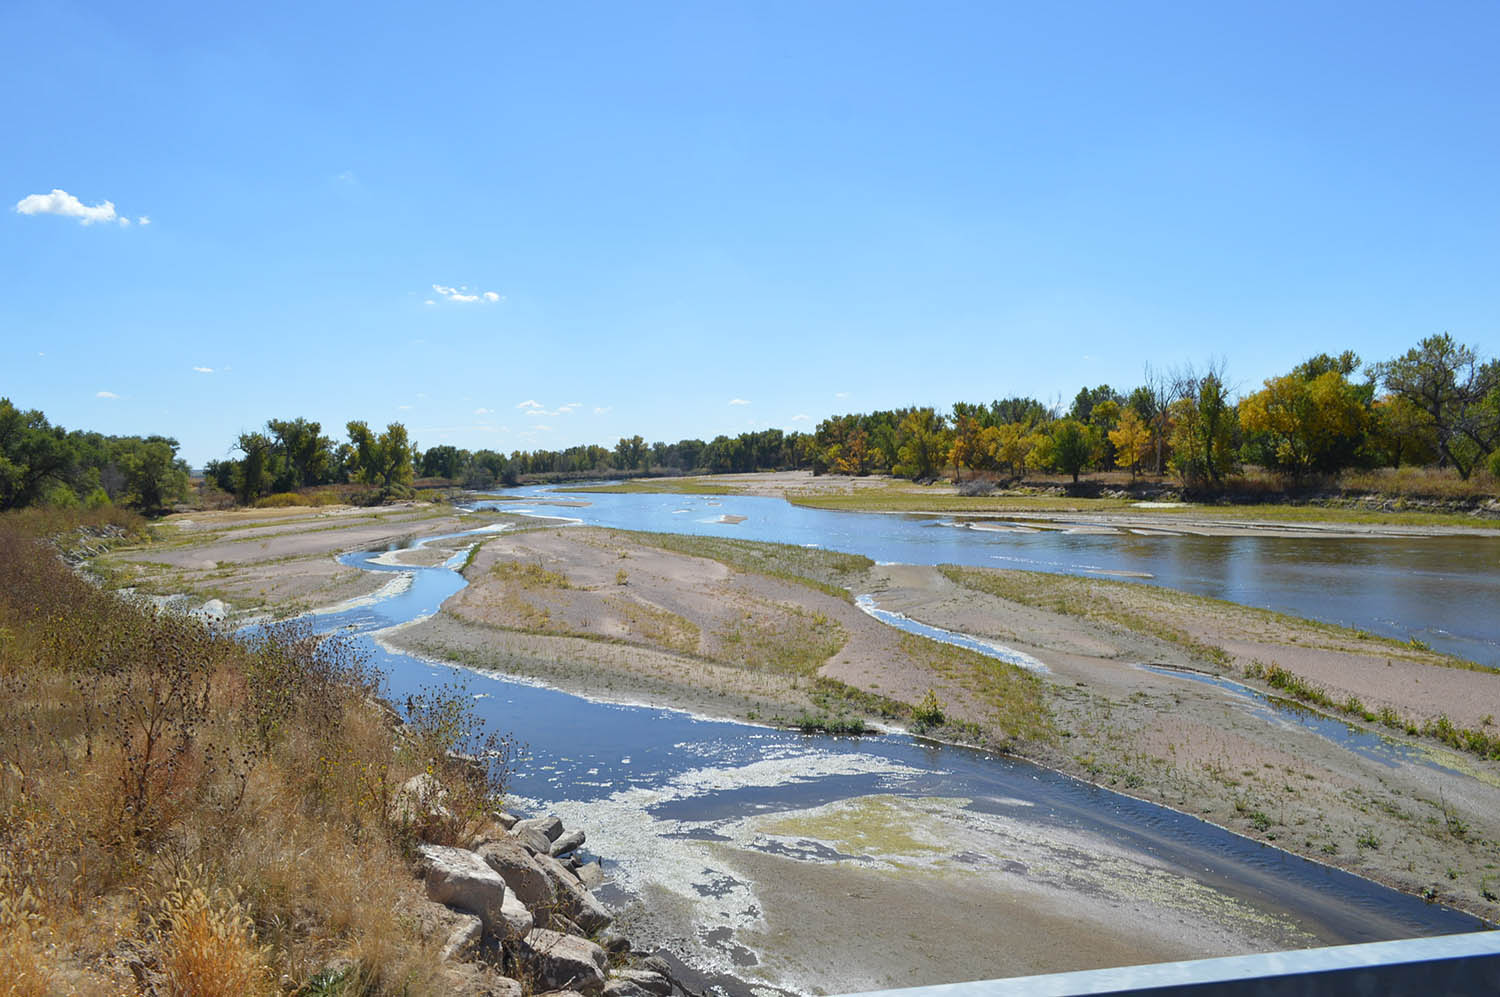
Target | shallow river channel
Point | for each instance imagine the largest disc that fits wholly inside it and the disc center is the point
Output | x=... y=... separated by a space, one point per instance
x=763 y=861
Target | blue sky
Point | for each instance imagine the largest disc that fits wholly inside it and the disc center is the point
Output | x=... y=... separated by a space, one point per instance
x=698 y=218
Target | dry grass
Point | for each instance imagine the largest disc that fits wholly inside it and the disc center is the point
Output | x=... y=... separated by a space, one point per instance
x=185 y=813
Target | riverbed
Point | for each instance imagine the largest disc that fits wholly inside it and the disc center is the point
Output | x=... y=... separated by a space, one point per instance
x=1440 y=590
x=763 y=860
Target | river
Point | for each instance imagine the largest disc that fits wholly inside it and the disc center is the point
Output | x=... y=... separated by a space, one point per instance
x=1443 y=591
x=708 y=826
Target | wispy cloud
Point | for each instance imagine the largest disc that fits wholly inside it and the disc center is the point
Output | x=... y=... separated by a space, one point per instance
x=462 y=295
x=603 y=409
x=801 y=417
x=60 y=202
x=841 y=394
x=105 y=394
x=738 y=401
x=204 y=370
x=484 y=411
x=529 y=403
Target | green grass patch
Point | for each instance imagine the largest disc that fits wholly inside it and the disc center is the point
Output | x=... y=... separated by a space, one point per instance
x=826 y=571
x=794 y=641
x=1013 y=695
x=530 y=575
x=1474 y=740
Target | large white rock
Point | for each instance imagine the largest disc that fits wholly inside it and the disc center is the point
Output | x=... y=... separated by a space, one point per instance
x=566 y=961
x=551 y=826
x=566 y=843
x=464 y=881
x=520 y=871
x=575 y=902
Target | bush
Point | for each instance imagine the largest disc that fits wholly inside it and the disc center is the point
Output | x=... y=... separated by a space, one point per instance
x=928 y=712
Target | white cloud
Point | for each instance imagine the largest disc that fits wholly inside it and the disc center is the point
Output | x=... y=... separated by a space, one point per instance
x=484 y=411
x=463 y=295
x=800 y=417
x=603 y=409
x=429 y=301
x=841 y=394
x=60 y=202
x=204 y=370
x=105 y=394
x=542 y=429
x=124 y=222
x=529 y=403
x=143 y=220
x=738 y=401
x=403 y=408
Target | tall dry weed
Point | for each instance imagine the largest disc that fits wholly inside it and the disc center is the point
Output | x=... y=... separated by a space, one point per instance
x=205 y=946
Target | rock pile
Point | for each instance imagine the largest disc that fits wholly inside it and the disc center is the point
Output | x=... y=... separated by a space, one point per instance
x=515 y=906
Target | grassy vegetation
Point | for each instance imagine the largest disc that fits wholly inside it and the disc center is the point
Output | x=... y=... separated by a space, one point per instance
x=792 y=641
x=1147 y=609
x=825 y=571
x=201 y=813
x=529 y=575
x=1013 y=695
x=1484 y=743
x=658 y=626
x=1089 y=598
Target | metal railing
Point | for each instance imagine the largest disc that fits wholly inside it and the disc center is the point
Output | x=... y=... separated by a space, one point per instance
x=1457 y=965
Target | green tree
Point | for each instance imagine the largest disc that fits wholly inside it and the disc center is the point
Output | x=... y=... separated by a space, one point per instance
x=1074 y=446
x=34 y=455
x=630 y=453
x=154 y=477
x=1459 y=391
x=256 y=471
x=1203 y=425
x=306 y=455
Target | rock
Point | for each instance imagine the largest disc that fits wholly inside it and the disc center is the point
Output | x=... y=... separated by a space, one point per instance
x=463 y=880
x=463 y=939
x=641 y=984
x=468 y=979
x=518 y=920
x=535 y=841
x=657 y=965
x=560 y=960
x=566 y=843
x=591 y=875
x=572 y=898
x=421 y=802
x=520 y=871
x=623 y=988
x=506 y=820
x=614 y=943
x=551 y=826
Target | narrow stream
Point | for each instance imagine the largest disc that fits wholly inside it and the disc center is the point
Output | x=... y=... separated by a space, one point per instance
x=667 y=798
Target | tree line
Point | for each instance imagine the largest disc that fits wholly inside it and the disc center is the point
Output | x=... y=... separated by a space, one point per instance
x=1436 y=404
x=43 y=464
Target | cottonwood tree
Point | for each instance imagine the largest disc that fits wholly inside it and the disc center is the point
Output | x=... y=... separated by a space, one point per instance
x=1459 y=391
